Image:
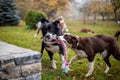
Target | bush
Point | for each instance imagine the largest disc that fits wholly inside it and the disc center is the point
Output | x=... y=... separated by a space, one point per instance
x=31 y=18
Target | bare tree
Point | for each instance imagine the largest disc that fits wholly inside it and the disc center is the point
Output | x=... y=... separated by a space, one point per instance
x=116 y=4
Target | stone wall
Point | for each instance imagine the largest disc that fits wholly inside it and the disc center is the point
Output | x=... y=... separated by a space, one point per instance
x=19 y=64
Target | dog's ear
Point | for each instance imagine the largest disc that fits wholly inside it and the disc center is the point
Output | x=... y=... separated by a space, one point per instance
x=56 y=22
x=42 y=20
x=75 y=41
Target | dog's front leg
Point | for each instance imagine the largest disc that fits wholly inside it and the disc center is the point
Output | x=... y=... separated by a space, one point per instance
x=91 y=69
x=52 y=59
x=63 y=61
x=65 y=66
x=73 y=59
x=54 y=64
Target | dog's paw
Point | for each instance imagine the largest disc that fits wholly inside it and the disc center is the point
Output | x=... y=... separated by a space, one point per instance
x=87 y=75
x=54 y=65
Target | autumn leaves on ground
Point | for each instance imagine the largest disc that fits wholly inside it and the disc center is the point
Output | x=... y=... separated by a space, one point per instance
x=19 y=36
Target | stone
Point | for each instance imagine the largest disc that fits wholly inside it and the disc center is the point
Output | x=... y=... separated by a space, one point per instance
x=9 y=67
x=27 y=58
x=18 y=63
x=21 y=78
x=4 y=59
x=36 y=76
x=15 y=73
x=30 y=69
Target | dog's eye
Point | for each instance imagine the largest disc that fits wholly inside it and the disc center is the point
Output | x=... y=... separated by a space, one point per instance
x=49 y=27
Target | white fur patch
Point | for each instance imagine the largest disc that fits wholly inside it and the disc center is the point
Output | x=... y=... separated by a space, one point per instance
x=53 y=48
x=91 y=69
x=54 y=64
x=104 y=53
x=80 y=53
x=38 y=25
x=62 y=21
x=107 y=69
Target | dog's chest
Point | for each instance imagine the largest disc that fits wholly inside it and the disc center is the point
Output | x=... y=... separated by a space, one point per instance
x=53 y=48
x=80 y=53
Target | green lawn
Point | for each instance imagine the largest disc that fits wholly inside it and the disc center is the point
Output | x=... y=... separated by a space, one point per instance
x=18 y=35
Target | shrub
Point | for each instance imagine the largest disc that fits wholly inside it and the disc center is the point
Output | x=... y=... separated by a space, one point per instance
x=31 y=18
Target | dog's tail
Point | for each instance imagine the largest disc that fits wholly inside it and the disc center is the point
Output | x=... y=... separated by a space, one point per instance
x=116 y=51
x=38 y=25
x=117 y=34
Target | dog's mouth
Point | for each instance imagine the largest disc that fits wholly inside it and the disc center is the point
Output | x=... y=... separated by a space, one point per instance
x=49 y=39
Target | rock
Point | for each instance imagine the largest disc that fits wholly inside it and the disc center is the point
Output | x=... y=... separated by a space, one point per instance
x=18 y=63
x=15 y=73
x=27 y=58
x=30 y=69
x=34 y=77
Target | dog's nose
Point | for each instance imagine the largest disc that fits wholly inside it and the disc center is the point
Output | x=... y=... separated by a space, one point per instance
x=48 y=36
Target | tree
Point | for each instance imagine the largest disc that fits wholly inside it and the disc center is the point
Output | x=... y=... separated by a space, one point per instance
x=8 y=13
x=50 y=7
x=24 y=6
x=94 y=8
x=103 y=8
x=116 y=4
x=86 y=11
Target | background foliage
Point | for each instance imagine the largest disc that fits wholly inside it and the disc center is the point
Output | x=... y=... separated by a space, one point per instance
x=8 y=13
x=31 y=18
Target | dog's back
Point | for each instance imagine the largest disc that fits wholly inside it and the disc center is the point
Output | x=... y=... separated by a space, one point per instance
x=112 y=45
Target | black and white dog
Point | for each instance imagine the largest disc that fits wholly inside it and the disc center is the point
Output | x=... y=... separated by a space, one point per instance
x=51 y=30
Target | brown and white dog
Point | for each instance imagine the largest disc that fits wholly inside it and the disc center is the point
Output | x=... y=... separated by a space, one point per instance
x=87 y=47
x=62 y=24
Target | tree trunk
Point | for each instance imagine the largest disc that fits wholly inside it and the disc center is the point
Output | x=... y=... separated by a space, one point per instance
x=103 y=18
x=116 y=15
x=94 y=22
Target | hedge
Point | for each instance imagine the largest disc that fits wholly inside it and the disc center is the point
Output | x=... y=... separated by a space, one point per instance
x=31 y=18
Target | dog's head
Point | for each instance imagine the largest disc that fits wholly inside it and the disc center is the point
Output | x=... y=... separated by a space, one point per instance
x=71 y=40
x=53 y=31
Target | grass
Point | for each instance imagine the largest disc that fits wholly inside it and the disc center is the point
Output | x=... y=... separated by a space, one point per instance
x=19 y=36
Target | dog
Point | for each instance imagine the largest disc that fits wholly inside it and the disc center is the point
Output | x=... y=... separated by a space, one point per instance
x=87 y=30
x=62 y=24
x=87 y=47
x=50 y=32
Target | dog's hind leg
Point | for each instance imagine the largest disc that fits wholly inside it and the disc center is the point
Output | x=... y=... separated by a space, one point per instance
x=108 y=65
x=91 y=68
x=73 y=59
x=52 y=59
x=106 y=56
